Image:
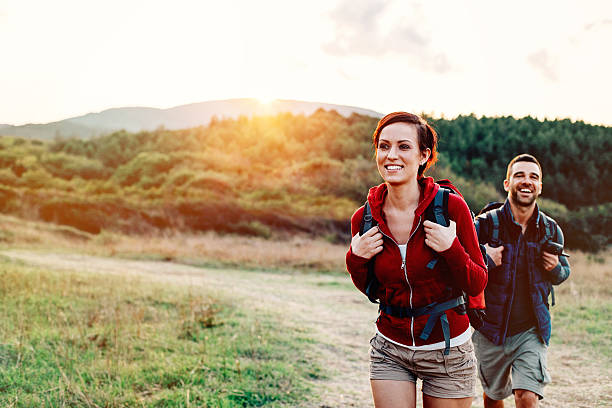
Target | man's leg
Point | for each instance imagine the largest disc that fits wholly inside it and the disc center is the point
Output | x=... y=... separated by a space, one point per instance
x=493 y=370
x=525 y=399
x=529 y=374
x=491 y=403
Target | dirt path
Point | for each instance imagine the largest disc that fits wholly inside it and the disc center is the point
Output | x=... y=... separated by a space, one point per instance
x=336 y=315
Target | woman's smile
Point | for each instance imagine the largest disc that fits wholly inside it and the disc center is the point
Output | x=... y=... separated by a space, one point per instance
x=398 y=155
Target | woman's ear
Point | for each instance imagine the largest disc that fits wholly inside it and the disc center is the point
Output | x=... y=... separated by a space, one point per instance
x=425 y=156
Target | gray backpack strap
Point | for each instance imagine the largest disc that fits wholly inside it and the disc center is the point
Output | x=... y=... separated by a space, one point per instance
x=550 y=227
x=439 y=211
x=493 y=216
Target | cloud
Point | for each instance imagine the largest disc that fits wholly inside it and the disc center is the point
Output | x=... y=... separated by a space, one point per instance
x=359 y=32
x=356 y=28
x=598 y=24
x=545 y=63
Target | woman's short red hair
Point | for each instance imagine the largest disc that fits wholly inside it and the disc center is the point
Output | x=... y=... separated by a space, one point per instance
x=428 y=138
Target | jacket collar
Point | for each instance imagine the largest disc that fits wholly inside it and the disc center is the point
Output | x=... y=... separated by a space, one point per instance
x=534 y=222
x=377 y=195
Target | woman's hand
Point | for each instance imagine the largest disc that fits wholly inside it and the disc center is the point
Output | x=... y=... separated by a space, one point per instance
x=368 y=244
x=439 y=238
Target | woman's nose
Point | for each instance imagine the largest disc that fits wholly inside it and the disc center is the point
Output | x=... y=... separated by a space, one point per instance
x=393 y=152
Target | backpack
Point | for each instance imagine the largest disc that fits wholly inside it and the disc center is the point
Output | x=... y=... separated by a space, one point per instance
x=492 y=212
x=436 y=211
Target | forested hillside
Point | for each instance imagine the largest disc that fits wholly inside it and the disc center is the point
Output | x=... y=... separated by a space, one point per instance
x=284 y=174
x=576 y=157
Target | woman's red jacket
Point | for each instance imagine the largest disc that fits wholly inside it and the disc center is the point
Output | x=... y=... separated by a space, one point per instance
x=418 y=286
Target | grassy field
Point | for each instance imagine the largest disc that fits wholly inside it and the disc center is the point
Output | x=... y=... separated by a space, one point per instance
x=69 y=339
x=583 y=314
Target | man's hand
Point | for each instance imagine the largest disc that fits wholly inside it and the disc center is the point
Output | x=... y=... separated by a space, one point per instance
x=495 y=253
x=368 y=244
x=439 y=238
x=549 y=261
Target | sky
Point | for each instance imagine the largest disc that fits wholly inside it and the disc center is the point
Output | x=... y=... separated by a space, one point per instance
x=546 y=59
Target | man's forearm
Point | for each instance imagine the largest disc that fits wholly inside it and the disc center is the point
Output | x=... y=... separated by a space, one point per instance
x=560 y=272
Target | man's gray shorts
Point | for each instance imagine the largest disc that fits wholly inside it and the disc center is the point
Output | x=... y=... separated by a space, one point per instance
x=522 y=355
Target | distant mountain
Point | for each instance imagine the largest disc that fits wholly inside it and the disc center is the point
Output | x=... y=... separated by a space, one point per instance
x=135 y=119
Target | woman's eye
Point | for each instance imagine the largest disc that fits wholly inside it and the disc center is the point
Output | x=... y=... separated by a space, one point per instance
x=405 y=147
x=383 y=146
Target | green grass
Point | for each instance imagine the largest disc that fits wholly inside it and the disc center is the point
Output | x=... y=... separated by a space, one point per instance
x=71 y=339
x=586 y=323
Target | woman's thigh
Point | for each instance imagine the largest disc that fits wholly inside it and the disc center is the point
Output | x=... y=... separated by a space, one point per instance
x=433 y=402
x=393 y=394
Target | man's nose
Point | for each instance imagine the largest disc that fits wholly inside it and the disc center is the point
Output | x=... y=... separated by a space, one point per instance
x=527 y=183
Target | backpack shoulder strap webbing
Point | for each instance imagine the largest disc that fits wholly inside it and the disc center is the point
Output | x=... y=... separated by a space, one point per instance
x=550 y=227
x=440 y=207
x=439 y=214
x=372 y=283
x=494 y=216
x=367 y=221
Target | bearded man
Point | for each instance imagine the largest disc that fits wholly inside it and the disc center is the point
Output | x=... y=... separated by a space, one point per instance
x=525 y=258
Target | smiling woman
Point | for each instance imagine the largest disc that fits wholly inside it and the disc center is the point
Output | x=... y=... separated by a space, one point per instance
x=415 y=295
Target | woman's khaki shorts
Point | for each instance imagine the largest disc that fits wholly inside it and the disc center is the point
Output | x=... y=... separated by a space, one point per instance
x=451 y=376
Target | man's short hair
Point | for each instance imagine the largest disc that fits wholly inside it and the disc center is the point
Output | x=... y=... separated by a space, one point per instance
x=525 y=158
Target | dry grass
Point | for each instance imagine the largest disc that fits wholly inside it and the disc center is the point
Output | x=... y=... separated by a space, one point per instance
x=591 y=277
x=295 y=253
x=300 y=253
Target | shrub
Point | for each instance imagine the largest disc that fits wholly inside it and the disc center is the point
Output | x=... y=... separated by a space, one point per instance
x=67 y=166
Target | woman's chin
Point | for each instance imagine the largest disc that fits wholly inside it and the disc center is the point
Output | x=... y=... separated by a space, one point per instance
x=393 y=181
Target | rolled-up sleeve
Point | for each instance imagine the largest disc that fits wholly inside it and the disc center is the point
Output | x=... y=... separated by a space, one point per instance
x=561 y=272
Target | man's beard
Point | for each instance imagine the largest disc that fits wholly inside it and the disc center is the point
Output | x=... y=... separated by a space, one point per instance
x=514 y=194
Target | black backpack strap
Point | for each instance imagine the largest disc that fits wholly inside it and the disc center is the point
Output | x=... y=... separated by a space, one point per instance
x=438 y=212
x=372 y=284
x=367 y=221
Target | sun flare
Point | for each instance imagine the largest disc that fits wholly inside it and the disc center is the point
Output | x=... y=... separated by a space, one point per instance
x=266 y=100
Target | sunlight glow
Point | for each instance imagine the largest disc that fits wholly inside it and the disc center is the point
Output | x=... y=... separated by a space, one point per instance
x=266 y=100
